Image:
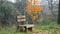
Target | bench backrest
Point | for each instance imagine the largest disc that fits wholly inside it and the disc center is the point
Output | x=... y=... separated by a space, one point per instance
x=21 y=20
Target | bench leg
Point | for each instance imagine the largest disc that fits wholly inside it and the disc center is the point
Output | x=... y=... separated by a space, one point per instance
x=31 y=28
x=26 y=29
x=17 y=29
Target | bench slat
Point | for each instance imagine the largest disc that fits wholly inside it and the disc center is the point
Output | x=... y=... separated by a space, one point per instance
x=27 y=26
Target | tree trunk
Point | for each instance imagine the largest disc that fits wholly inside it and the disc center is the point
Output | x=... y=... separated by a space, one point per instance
x=59 y=14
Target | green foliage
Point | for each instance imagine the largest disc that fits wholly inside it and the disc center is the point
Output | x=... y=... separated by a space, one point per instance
x=21 y=5
x=7 y=12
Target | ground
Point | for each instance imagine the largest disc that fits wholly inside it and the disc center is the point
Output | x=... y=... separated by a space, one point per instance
x=42 y=29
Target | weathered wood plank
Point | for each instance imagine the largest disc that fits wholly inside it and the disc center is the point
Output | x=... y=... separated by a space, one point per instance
x=19 y=20
x=20 y=16
x=27 y=25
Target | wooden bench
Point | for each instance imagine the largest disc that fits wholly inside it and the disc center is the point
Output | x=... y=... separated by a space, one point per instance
x=21 y=20
x=27 y=27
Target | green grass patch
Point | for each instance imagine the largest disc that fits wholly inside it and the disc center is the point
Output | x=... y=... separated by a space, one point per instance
x=51 y=29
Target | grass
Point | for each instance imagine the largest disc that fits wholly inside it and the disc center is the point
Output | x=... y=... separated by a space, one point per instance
x=45 y=29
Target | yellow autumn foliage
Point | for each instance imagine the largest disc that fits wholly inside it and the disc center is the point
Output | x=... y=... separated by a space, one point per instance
x=34 y=17
x=32 y=9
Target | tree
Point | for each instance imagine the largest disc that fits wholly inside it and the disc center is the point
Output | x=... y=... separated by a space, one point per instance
x=20 y=5
x=50 y=2
x=33 y=9
x=59 y=14
x=7 y=12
